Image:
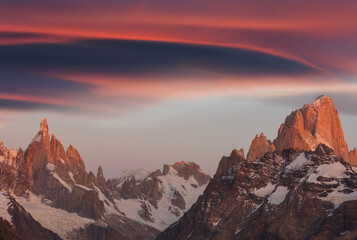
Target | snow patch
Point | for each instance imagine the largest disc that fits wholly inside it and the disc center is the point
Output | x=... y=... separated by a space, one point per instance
x=279 y=195
x=84 y=187
x=4 y=205
x=300 y=161
x=108 y=205
x=138 y=174
x=56 y=220
x=216 y=223
x=268 y=189
x=69 y=188
x=333 y=170
x=71 y=176
x=337 y=197
x=50 y=167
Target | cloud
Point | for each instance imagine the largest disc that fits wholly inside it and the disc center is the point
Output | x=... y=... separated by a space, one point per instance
x=15 y=35
x=94 y=74
x=29 y=105
x=140 y=58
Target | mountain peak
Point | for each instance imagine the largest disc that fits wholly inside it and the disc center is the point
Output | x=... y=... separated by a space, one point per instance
x=259 y=147
x=237 y=153
x=44 y=126
x=323 y=97
x=312 y=125
x=43 y=134
x=186 y=170
x=74 y=157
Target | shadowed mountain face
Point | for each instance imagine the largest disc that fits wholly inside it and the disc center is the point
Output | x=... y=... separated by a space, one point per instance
x=283 y=195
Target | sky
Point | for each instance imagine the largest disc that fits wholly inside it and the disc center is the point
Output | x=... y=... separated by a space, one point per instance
x=138 y=84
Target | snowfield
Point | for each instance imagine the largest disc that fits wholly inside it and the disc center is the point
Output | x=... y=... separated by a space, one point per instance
x=300 y=161
x=162 y=216
x=4 y=205
x=264 y=191
x=56 y=220
x=333 y=170
x=279 y=195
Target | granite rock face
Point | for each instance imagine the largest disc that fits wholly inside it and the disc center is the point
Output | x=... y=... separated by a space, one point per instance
x=259 y=147
x=353 y=157
x=311 y=125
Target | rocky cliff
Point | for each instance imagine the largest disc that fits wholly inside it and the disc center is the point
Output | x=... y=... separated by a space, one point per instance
x=305 y=129
x=259 y=147
x=291 y=194
x=311 y=125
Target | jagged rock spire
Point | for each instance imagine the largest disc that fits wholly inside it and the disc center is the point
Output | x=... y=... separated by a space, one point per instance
x=44 y=126
x=259 y=147
x=43 y=135
x=74 y=157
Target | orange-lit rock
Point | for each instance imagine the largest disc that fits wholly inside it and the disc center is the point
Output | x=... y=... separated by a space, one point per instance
x=259 y=147
x=311 y=125
x=353 y=157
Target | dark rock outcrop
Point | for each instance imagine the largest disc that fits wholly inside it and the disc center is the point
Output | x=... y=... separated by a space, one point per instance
x=186 y=170
x=228 y=162
x=283 y=195
x=7 y=231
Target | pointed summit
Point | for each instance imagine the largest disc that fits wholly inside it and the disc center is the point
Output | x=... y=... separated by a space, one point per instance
x=259 y=147
x=312 y=125
x=44 y=126
x=74 y=157
x=43 y=135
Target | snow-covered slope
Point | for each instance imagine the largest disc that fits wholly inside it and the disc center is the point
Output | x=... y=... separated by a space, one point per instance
x=158 y=199
x=127 y=175
x=4 y=205
x=54 y=219
x=283 y=195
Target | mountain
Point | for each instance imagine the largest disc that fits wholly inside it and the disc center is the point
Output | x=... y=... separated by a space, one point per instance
x=305 y=129
x=159 y=198
x=54 y=194
x=304 y=189
x=283 y=195
x=299 y=186
x=311 y=125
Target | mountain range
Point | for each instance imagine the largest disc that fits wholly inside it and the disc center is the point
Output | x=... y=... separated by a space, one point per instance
x=301 y=185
